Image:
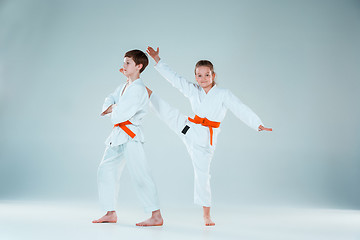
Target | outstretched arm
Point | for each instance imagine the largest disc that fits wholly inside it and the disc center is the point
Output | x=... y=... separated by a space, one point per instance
x=243 y=112
x=185 y=87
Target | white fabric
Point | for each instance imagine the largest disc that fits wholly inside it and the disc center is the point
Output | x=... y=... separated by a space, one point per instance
x=213 y=106
x=111 y=167
x=200 y=154
x=131 y=105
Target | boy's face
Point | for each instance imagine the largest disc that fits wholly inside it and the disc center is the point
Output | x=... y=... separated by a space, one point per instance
x=130 y=67
x=204 y=76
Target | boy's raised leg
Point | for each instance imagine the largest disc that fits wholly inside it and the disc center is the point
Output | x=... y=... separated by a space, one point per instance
x=155 y=220
x=109 y=217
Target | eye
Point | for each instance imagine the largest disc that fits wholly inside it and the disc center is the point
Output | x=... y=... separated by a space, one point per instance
x=199 y=75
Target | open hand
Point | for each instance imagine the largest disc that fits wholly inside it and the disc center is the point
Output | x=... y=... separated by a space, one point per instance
x=262 y=128
x=154 y=54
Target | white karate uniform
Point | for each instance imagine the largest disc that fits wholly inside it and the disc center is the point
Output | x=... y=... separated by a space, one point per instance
x=212 y=106
x=121 y=148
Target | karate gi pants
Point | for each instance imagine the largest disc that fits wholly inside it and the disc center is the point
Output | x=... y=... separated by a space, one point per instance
x=110 y=169
x=201 y=155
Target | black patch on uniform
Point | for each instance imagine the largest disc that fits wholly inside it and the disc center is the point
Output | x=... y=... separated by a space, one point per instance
x=186 y=128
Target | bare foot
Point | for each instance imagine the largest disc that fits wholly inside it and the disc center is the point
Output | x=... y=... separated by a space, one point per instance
x=207 y=218
x=109 y=217
x=155 y=220
x=208 y=221
x=149 y=91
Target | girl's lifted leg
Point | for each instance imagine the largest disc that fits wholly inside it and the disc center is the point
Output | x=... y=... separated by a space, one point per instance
x=207 y=218
x=109 y=217
x=155 y=220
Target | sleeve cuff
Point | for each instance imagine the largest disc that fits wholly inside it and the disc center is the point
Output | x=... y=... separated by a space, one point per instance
x=158 y=63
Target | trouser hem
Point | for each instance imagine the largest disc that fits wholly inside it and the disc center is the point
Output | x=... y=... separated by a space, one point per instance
x=151 y=209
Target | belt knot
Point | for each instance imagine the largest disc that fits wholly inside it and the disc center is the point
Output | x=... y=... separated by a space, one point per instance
x=206 y=123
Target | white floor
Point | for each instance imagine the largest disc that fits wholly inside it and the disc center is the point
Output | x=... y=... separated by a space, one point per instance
x=19 y=220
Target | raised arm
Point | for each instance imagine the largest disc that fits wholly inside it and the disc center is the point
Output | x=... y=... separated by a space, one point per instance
x=243 y=112
x=185 y=87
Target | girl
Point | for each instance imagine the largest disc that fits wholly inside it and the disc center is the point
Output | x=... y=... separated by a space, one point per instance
x=199 y=133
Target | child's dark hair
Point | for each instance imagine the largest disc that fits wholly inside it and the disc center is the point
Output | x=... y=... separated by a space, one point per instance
x=139 y=57
x=206 y=63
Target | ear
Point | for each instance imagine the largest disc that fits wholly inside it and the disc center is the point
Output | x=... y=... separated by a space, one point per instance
x=213 y=75
x=139 y=66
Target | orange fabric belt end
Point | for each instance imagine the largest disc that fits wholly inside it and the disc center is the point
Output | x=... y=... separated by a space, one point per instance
x=123 y=126
x=206 y=123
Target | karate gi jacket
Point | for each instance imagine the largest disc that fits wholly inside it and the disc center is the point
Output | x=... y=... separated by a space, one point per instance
x=212 y=105
x=131 y=105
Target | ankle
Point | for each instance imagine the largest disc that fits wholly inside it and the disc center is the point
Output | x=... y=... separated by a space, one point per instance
x=156 y=214
x=111 y=213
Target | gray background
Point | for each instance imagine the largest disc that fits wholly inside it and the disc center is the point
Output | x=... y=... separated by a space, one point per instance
x=295 y=63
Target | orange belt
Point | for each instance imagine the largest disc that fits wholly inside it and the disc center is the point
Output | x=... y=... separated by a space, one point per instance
x=206 y=123
x=125 y=128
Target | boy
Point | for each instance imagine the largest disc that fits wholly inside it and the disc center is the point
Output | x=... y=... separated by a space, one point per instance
x=126 y=107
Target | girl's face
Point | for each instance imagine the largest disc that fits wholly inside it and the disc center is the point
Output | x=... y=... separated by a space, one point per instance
x=204 y=76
